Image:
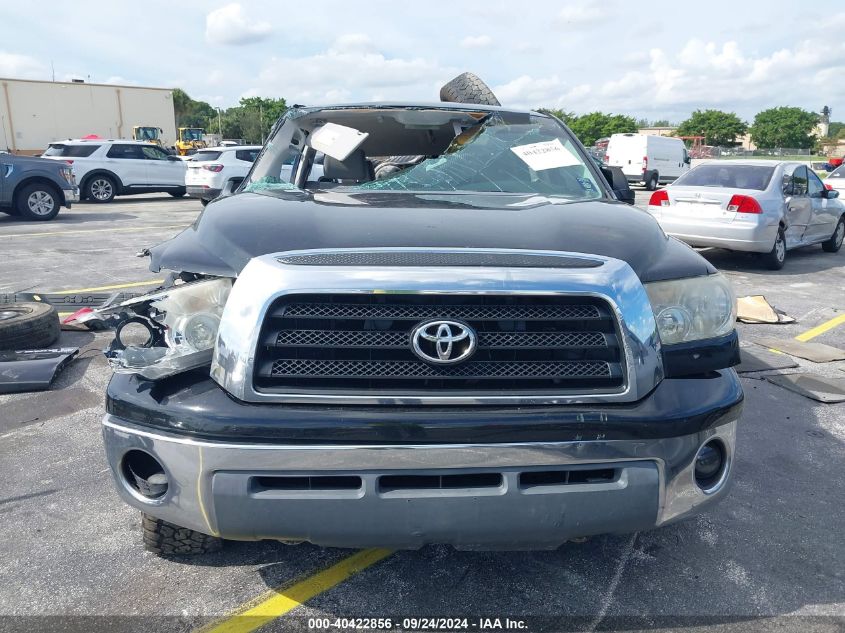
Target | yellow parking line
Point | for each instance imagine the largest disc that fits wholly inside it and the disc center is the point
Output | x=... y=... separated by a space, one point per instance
x=134 y=284
x=133 y=228
x=273 y=604
x=821 y=329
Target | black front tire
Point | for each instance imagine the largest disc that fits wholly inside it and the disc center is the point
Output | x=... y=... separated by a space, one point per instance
x=835 y=242
x=652 y=183
x=776 y=258
x=38 y=201
x=100 y=189
x=178 y=193
x=28 y=325
x=166 y=539
x=204 y=201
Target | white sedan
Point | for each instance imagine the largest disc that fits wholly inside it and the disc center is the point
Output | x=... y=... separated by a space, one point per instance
x=759 y=206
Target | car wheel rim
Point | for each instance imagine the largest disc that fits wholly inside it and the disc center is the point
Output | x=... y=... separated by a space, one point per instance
x=780 y=249
x=40 y=203
x=101 y=189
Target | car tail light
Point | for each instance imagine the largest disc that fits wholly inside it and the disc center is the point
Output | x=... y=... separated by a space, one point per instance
x=215 y=167
x=659 y=199
x=744 y=204
x=69 y=162
x=607 y=158
x=645 y=163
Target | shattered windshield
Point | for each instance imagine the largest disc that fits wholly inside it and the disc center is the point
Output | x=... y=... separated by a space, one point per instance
x=485 y=153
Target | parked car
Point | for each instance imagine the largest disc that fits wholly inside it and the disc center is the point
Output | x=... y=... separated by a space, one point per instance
x=760 y=206
x=647 y=159
x=476 y=343
x=212 y=170
x=34 y=188
x=106 y=168
x=836 y=179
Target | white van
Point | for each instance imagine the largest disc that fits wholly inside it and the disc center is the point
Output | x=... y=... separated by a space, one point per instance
x=646 y=159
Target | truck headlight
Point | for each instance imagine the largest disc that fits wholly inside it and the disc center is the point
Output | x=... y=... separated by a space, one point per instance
x=692 y=309
x=182 y=323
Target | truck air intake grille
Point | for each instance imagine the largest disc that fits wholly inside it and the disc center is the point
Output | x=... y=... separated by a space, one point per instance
x=361 y=345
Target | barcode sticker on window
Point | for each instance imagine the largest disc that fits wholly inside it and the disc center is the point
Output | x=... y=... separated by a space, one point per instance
x=546 y=155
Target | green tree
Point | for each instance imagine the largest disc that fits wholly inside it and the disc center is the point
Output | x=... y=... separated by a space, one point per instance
x=717 y=127
x=836 y=129
x=191 y=113
x=258 y=115
x=595 y=125
x=564 y=116
x=784 y=127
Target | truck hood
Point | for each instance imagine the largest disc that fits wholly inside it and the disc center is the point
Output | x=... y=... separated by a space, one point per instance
x=233 y=230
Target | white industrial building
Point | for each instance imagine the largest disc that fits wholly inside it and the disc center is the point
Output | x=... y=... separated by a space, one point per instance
x=35 y=113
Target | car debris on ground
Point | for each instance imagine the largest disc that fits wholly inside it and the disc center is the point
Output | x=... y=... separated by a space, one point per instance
x=756 y=309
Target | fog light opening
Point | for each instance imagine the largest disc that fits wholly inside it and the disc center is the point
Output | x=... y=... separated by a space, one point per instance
x=710 y=464
x=144 y=474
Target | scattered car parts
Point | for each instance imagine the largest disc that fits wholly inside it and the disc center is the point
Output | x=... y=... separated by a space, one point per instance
x=34 y=369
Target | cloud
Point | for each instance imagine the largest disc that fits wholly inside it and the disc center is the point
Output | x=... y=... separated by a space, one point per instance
x=476 y=41
x=352 y=69
x=230 y=25
x=581 y=14
x=21 y=67
x=698 y=74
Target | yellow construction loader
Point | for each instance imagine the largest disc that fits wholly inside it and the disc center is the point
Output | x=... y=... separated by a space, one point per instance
x=148 y=133
x=189 y=141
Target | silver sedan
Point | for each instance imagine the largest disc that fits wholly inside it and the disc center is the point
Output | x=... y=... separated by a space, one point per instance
x=755 y=206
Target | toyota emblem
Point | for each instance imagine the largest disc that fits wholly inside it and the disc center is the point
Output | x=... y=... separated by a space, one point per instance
x=443 y=342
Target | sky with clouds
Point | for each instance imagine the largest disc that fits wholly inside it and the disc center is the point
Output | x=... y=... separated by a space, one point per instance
x=609 y=55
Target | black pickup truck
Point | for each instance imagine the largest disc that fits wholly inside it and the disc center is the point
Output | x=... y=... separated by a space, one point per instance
x=456 y=334
x=35 y=188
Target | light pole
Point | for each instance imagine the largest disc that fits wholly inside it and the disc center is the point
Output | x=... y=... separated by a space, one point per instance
x=219 y=124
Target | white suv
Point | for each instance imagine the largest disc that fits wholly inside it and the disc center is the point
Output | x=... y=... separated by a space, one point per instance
x=106 y=168
x=212 y=170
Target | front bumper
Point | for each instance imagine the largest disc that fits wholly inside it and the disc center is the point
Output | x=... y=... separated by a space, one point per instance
x=241 y=488
x=71 y=196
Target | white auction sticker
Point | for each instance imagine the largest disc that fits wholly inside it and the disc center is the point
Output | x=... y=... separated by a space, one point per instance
x=546 y=155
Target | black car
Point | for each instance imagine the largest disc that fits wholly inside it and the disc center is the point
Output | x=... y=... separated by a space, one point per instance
x=457 y=334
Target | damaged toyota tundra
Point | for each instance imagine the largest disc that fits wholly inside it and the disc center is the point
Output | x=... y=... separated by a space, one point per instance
x=417 y=324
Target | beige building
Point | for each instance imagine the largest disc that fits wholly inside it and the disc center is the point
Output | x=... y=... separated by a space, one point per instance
x=35 y=113
x=668 y=130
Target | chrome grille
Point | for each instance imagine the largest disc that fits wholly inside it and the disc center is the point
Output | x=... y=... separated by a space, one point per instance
x=361 y=344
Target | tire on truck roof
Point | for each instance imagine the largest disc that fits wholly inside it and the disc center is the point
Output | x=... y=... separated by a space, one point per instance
x=28 y=325
x=468 y=88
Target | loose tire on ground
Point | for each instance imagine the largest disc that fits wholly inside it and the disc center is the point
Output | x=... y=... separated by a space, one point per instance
x=167 y=539
x=100 y=189
x=38 y=201
x=835 y=242
x=28 y=325
x=776 y=258
x=468 y=88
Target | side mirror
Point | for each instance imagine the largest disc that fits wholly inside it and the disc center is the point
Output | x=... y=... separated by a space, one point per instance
x=230 y=187
x=687 y=160
x=831 y=194
x=619 y=183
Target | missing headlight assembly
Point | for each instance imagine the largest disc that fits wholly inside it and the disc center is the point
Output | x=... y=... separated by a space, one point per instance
x=168 y=331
